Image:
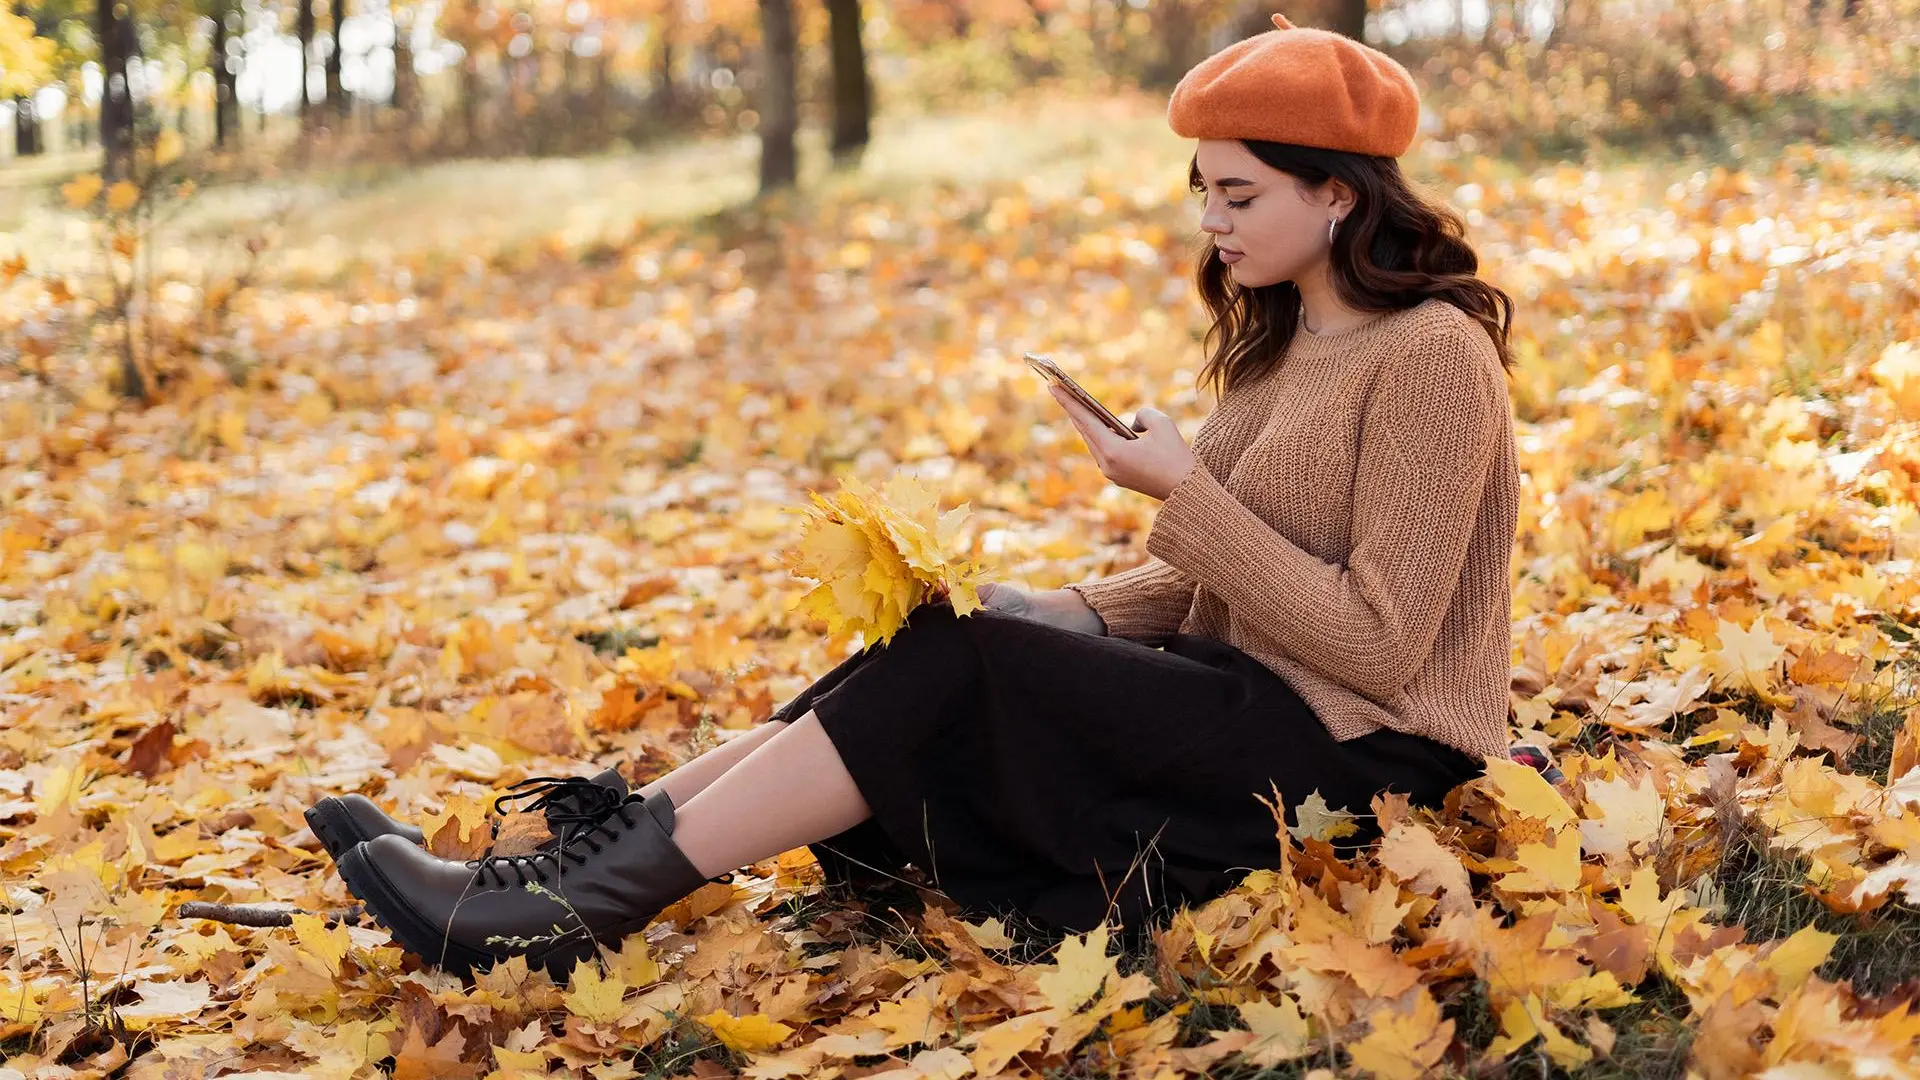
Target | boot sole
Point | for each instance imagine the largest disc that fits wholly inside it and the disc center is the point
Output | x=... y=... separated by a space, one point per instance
x=334 y=828
x=390 y=910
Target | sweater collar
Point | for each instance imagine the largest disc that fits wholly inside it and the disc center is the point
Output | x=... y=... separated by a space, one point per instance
x=1306 y=345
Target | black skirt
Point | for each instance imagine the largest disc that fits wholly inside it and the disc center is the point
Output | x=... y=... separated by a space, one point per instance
x=1071 y=778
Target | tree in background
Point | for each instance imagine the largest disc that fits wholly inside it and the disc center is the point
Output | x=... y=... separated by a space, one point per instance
x=223 y=57
x=852 y=96
x=337 y=102
x=779 y=97
x=303 y=27
x=113 y=29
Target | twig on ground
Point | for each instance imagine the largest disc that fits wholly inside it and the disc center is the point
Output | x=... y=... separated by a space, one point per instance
x=262 y=914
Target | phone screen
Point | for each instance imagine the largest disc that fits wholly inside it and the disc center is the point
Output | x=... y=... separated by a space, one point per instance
x=1051 y=372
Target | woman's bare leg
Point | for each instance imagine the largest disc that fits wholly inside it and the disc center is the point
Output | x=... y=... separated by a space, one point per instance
x=791 y=790
x=689 y=778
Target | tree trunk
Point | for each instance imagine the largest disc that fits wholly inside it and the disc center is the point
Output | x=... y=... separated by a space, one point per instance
x=469 y=91
x=1173 y=25
x=403 y=79
x=664 y=93
x=1349 y=18
x=26 y=127
x=1251 y=18
x=337 y=102
x=113 y=29
x=852 y=94
x=779 y=107
x=303 y=29
x=226 y=99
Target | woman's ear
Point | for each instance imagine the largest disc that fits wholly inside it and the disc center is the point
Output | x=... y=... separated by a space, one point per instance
x=1340 y=198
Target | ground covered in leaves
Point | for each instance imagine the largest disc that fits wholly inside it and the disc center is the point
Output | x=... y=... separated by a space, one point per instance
x=473 y=517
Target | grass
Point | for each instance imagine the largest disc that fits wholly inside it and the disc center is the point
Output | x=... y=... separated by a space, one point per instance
x=1764 y=891
x=333 y=216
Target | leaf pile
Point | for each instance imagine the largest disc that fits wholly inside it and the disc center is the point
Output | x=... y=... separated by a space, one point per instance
x=475 y=519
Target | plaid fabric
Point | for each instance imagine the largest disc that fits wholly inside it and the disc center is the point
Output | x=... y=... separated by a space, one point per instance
x=1538 y=759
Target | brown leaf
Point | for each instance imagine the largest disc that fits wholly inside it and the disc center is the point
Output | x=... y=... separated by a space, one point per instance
x=521 y=833
x=152 y=753
x=441 y=1061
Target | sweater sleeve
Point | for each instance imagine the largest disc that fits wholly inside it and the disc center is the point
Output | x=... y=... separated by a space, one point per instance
x=1145 y=603
x=1428 y=439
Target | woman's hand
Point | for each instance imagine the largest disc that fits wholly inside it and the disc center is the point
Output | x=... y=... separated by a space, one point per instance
x=1006 y=598
x=1153 y=464
x=1063 y=608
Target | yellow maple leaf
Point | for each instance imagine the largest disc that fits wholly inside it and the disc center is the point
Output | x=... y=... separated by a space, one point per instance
x=751 y=1034
x=1522 y=789
x=460 y=829
x=1320 y=821
x=1410 y=852
x=907 y=1021
x=20 y=1003
x=1524 y=1018
x=878 y=555
x=1642 y=901
x=994 y=1046
x=1081 y=967
x=1403 y=1045
x=635 y=963
x=1630 y=815
x=1281 y=1032
x=988 y=933
x=519 y=1062
x=1600 y=990
x=593 y=996
x=1794 y=959
x=1547 y=867
x=326 y=944
x=1746 y=658
x=1640 y=514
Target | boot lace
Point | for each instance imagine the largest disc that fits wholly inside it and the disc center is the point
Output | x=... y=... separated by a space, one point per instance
x=578 y=822
x=545 y=791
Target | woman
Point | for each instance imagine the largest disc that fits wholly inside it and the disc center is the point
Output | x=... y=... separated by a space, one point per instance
x=1325 y=610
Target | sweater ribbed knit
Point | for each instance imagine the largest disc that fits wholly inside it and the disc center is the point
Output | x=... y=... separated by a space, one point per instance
x=1350 y=524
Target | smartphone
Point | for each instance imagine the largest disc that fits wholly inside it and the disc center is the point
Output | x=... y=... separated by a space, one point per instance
x=1051 y=372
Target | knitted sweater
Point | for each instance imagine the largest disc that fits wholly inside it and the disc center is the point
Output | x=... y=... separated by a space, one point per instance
x=1350 y=524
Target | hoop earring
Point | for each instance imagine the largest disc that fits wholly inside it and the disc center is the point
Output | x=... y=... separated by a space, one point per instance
x=1331 y=222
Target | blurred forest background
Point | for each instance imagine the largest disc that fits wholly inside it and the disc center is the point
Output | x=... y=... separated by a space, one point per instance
x=480 y=77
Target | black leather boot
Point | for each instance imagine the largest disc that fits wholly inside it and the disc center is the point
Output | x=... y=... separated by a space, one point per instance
x=341 y=821
x=615 y=868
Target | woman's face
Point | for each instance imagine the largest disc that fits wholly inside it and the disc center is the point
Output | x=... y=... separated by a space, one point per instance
x=1276 y=224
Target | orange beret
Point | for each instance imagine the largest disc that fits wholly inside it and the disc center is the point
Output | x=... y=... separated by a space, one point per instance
x=1303 y=86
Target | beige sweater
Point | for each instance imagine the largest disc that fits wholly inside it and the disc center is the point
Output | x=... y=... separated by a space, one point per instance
x=1350 y=524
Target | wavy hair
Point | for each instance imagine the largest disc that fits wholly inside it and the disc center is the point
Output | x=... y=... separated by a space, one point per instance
x=1395 y=249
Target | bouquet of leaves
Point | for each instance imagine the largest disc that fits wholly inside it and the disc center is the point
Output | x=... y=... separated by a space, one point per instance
x=879 y=555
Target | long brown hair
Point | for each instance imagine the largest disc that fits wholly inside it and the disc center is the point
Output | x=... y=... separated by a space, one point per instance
x=1395 y=249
